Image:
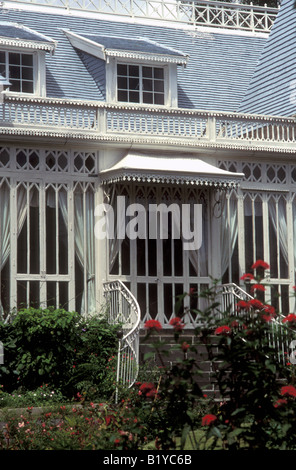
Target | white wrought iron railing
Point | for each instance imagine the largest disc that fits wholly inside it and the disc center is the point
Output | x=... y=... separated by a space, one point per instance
x=193 y=12
x=99 y=121
x=123 y=309
x=280 y=335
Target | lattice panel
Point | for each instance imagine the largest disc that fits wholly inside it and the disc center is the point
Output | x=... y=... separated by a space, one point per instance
x=262 y=172
x=27 y=159
x=48 y=161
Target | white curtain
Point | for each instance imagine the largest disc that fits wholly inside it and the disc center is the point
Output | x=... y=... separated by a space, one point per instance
x=118 y=222
x=4 y=225
x=4 y=230
x=23 y=197
x=199 y=258
x=84 y=244
x=229 y=232
x=277 y=214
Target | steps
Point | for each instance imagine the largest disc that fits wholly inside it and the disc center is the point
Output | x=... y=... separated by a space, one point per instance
x=205 y=378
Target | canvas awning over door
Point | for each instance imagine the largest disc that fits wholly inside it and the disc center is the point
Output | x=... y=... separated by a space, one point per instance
x=136 y=167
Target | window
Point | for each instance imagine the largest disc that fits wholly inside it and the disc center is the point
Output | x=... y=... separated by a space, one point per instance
x=140 y=84
x=19 y=70
x=158 y=270
x=43 y=261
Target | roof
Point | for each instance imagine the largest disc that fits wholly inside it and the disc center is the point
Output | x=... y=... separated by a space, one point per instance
x=169 y=169
x=272 y=89
x=120 y=46
x=216 y=76
x=13 y=34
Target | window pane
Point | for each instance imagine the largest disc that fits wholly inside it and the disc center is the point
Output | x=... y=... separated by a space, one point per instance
x=147 y=85
x=147 y=72
x=134 y=97
x=159 y=86
x=159 y=99
x=134 y=70
x=14 y=59
x=27 y=87
x=27 y=59
x=14 y=72
x=27 y=73
x=134 y=84
x=158 y=73
x=148 y=98
x=122 y=69
x=122 y=82
x=122 y=95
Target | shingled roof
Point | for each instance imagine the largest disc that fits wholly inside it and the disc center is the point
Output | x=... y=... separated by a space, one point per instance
x=272 y=89
x=219 y=68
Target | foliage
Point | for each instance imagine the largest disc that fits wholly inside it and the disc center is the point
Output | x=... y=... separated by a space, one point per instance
x=43 y=395
x=167 y=408
x=58 y=348
x=256 y=385
x=88 y=427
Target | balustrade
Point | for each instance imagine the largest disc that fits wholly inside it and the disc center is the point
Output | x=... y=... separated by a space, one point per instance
x=198 y=13
x=100 y=121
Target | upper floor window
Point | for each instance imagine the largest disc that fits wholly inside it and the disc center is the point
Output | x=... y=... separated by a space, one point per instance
x=18 y=69
x=140 y=84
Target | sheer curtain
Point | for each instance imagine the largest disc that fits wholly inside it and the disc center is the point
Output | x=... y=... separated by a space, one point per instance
x=84 y=244
x=4 y=229
x=229 y=232
x=24 y=197
x=118 y=222
x=277 y=214
x=199 y=258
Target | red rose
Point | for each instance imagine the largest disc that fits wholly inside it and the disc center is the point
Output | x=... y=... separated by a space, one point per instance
x=242 y=305
x=153 y=325
x=207 y=420
x=288 y=390
x=185 y=346
x=177 y=323
x=247 y=277
x=255 y=303
x=260 y=264
x=290 y=318
x=258 y=287
x=223 y=330
x=280 y=402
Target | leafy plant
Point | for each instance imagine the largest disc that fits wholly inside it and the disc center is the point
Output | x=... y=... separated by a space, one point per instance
x=58 y=348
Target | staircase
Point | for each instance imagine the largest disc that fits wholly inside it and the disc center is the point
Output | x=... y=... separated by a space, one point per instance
x=124 y=309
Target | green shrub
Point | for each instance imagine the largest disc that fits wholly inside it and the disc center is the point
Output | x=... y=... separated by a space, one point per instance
x=58 y=348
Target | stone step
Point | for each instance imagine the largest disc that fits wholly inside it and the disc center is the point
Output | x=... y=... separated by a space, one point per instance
x=206 y=375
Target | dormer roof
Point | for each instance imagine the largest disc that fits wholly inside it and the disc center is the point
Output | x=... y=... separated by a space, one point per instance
x=15 y=34
x=131 y=48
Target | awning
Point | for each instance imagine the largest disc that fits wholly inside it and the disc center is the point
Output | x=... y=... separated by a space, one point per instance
x=135 y=167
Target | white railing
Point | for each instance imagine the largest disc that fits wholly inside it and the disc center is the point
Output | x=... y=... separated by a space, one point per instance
x=197 y=13
x=123 y=309
x=93 y=120
x=280 y=335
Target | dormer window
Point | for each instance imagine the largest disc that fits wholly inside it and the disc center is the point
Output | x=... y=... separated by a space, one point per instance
x=18 y=69
x=140 y=84
x=22 y=58
x=132 y=70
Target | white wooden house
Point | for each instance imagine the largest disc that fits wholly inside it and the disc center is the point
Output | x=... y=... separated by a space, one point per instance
x=185 y=102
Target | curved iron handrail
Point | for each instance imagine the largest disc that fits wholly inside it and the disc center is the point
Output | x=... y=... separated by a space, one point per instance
x=124 y=309
x=279 y=337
